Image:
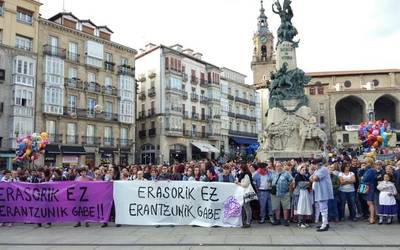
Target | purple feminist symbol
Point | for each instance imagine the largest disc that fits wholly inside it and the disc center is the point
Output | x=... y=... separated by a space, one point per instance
x=231 y=208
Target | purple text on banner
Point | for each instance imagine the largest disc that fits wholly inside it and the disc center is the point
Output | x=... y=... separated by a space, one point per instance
x=55 y=202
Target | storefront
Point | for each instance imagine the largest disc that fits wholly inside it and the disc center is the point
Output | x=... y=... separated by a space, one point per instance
x=177 y=153
x=6 y=159
x=71 y=154
x=107 y=155
x=124 y=156
x=50 y=155
x=238 y=145
x=202 y=150
x=148 y=154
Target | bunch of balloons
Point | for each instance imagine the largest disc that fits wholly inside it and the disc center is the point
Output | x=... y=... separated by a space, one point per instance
x=374 y=134
x=30 y=147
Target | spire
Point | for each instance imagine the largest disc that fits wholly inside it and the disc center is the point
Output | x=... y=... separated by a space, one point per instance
x=262 y=19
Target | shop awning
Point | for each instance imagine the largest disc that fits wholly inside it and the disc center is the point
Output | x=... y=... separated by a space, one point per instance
x=205 y=147
x=52 y=149
x=107 y=150
x=244 y=141
x=73 y=150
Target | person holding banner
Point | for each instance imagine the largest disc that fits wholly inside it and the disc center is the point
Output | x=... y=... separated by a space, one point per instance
x=82 y=177
x=226 y=175
x=245 y=180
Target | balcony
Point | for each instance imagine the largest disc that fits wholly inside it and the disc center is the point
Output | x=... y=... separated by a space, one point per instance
x=142 y=96
x=174 y=109
x=244 y=134
x=185 y=96
x=91 y=140
x=231 y=97
x=73 y=112
x=73 y=83
x=174 y=90
x=24 y=111
x=108 y=142
x=185 y=77
x=152 y=132
x=185 y=114
x=109 y=66
x=252 y=118
x=125 y=143
x=194 y=97
x=93 y=87
x=242 y=100
x=54 y=51
x=142 y=115
x=72 y=139
x=217 y=117
x=204 y=117
x=203 y=83
x=55 y=138
x=194 y=80
x=93 y=62
x=142 y=134
x=231 y=114
x=151 y=92
x=203 y=99
x=174 y=132
x=73 y=57
x=195 y=116
x=252 y=103
x=151 y=112
x=126 y=70
x=244 y=117
x=109 y=90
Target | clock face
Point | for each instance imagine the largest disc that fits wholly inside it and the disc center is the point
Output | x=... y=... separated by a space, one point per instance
x=263 y=39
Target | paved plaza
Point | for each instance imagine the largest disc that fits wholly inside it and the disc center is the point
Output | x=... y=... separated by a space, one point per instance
x=342 y=236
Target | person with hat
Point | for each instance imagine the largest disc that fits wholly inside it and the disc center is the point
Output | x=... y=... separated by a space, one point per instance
x=263 y=181
x=323 y=191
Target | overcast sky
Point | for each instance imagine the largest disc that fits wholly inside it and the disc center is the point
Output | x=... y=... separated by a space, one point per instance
x=334 y=34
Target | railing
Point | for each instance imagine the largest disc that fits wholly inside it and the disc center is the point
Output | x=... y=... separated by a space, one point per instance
x=231 y=97
x=203 y=83
x=217 y=116
x=123 y=143
x=73 y=57
x=185 y=95
x=92 y=87
x=185 y=114
x=54 y=51
x=194 y=97
x=195 y=116
x=194 y=80
x=242 y=100
x=89 y=114
x=126 y=70
x=252 y=103
x=109 y=90
x=204 y=117
x=108 y=142
x=203 y=99
x=142 y=134
x=72 y=139
x=185 y=77
x=152 y=92
x=55 y=138
x=109 y=66
x=151 y=112
x=91 y=140
x=175 y=109
x=245 y=134
x=240 y=116
x=231 y=114
x=73 y=83
x=142 y=115
x=152 y=132
x=176 y=90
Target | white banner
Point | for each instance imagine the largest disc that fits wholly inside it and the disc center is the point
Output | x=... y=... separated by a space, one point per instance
x=203 y=204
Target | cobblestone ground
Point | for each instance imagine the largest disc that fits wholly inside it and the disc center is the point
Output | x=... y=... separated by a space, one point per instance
x=341 y=236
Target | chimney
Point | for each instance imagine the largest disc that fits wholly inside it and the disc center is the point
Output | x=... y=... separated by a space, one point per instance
x=188 y=52
x=198 y=55
x=177 y=47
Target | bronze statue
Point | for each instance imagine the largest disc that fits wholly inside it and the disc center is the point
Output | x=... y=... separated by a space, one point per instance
x=286 y=31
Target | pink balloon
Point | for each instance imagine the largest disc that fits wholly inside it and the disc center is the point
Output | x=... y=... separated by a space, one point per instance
x=375 y=132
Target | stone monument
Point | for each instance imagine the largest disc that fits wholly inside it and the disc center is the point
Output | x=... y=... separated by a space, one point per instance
x=291 y=130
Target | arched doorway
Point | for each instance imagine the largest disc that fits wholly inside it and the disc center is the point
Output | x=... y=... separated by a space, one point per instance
x=148 y=154
x=385 y=108
x=177 y=153
x=349 y=111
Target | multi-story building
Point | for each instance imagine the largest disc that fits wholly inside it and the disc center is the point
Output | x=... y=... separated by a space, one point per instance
x=178 y=105
x=18 y=51
x=85 y=93
x=240 y=113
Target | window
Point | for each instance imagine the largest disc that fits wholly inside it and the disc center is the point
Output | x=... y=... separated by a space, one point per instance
x=71 y=133
x=321 y=119
x=108 y=109
x=107 y=136
x=238 y=126
x=22 y=42
x=2 y=74
x=72 y=104
x=229 y=91
x=73 y=51
x=23 y=97
x=1 y=36
x=91 y=77
x=312 y=91
x=108 y=57
x=321 y=107
x=124 y=133
x=124 y=61
x=166 y=63
x=143 y=126
x=346 y=138
x=153 y=124
x=24 y=16
x=54 y=70
x=1 y=8
x=90 y=131
x=320 y=90
x=53 y=98
x=347 y=84
x=237 y=93
x=51 y=129
x=94 y=54
x=194 y=129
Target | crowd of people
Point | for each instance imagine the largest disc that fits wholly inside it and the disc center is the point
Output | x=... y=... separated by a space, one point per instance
x=279 y=192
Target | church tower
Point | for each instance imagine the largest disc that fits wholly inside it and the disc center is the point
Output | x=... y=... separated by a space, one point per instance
x=263 y=61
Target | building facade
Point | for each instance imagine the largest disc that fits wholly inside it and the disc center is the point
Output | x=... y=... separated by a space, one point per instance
x=340 y=99
x=178 y=106
x=18 y=55
x=85 y=96
x=240 y=112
